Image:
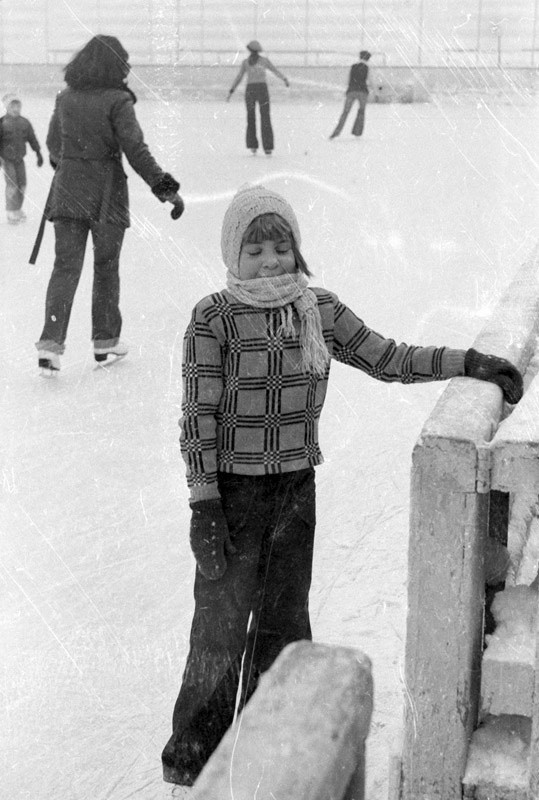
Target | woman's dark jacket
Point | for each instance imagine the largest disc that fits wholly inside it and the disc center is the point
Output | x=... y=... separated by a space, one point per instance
x=88 y=132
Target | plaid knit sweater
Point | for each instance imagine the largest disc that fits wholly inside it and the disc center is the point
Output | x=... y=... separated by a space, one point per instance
x=248 y=408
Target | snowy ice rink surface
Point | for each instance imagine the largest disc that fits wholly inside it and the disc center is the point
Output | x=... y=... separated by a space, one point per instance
x=418 y=227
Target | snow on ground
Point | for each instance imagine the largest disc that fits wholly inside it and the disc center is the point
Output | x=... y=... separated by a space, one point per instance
x=418 y=226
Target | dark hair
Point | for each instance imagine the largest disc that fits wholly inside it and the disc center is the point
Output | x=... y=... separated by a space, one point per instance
x=274 y=227
x=254 y=55
x=101 y=64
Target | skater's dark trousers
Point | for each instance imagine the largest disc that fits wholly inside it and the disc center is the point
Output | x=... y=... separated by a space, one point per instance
x=271 y=520
x=258 y=93
x=71 y=237
x=359 y=122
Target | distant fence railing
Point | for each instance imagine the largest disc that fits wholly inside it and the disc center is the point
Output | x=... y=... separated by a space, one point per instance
x=412 y=33
x=228 y=57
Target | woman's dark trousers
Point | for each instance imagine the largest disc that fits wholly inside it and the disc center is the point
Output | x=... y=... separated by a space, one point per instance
x=359 y=122
x=272 y=520
x=258 y=93
x=71 y=237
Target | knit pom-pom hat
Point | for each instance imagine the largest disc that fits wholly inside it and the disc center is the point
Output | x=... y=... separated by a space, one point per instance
x=250 y=202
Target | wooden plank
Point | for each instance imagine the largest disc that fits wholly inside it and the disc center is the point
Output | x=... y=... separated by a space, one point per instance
x=534 y=743
x=302 y=735
x=444 y=628
x=515 y=447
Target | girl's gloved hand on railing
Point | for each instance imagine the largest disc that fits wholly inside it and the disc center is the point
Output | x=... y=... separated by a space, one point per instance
x=496 y=370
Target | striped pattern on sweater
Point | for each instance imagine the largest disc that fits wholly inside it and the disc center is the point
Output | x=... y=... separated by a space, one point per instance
x=248 y=408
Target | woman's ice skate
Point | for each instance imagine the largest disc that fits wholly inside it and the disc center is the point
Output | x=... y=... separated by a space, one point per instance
x=49 y=363
x=108 y=355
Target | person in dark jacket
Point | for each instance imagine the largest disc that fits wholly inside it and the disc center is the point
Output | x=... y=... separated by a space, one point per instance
x=256 y=91
x=357 y=90
x=93 y=124
x=15 y=132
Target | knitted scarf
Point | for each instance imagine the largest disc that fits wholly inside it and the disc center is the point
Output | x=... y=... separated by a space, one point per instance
x=283 y=292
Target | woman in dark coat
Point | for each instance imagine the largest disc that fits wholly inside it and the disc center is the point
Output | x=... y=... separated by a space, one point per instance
x=93 y=123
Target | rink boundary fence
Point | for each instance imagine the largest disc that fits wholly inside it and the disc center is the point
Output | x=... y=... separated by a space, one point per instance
x=455 y=498
x=199 y=83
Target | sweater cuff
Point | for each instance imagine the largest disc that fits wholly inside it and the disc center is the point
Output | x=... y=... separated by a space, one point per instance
x=209 y=491
x=453 y=362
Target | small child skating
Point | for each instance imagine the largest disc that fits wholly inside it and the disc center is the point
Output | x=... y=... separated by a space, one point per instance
x=255 y=372
x=15 y=132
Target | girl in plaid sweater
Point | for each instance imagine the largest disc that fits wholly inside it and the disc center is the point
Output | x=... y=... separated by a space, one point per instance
x=256 y=364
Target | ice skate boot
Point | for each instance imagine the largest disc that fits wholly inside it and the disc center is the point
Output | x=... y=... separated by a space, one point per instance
x=13 y=217
x=22 y=215
x=49 y=363
x=253 y=150
x=108 y=355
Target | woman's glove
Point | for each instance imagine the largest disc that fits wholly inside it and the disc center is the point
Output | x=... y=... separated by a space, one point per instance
x=496 y=370
x=39 y=159
x=210 y=538
x=166 y=188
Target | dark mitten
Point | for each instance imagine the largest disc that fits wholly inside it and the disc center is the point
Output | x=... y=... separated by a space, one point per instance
x=52 y=162
x=496 y=370
x=210 y=538
x=39 y=159
x=166 y=187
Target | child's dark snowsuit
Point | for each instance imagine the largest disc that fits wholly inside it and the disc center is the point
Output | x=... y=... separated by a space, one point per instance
x=15 y=133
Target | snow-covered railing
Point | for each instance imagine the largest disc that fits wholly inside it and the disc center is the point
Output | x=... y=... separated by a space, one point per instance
x=302 y=734
x=503 y=760
x=453 y=510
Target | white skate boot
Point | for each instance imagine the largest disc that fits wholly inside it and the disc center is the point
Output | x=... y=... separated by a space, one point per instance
x=49 y=363
x=108 y=355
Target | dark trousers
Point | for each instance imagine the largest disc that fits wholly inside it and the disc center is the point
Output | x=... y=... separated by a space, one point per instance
x=359 y=122
x=271 y=520
x=258 y=93
x=71 y=236
x=15 y=176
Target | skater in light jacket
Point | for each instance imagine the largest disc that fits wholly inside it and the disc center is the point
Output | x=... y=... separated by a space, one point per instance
x=357 y=91
x=256 y=91
x=15 y=132
x=256 y=366
x=93 y=124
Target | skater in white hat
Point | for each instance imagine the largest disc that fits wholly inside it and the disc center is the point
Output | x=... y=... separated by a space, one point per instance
x=256 y=91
